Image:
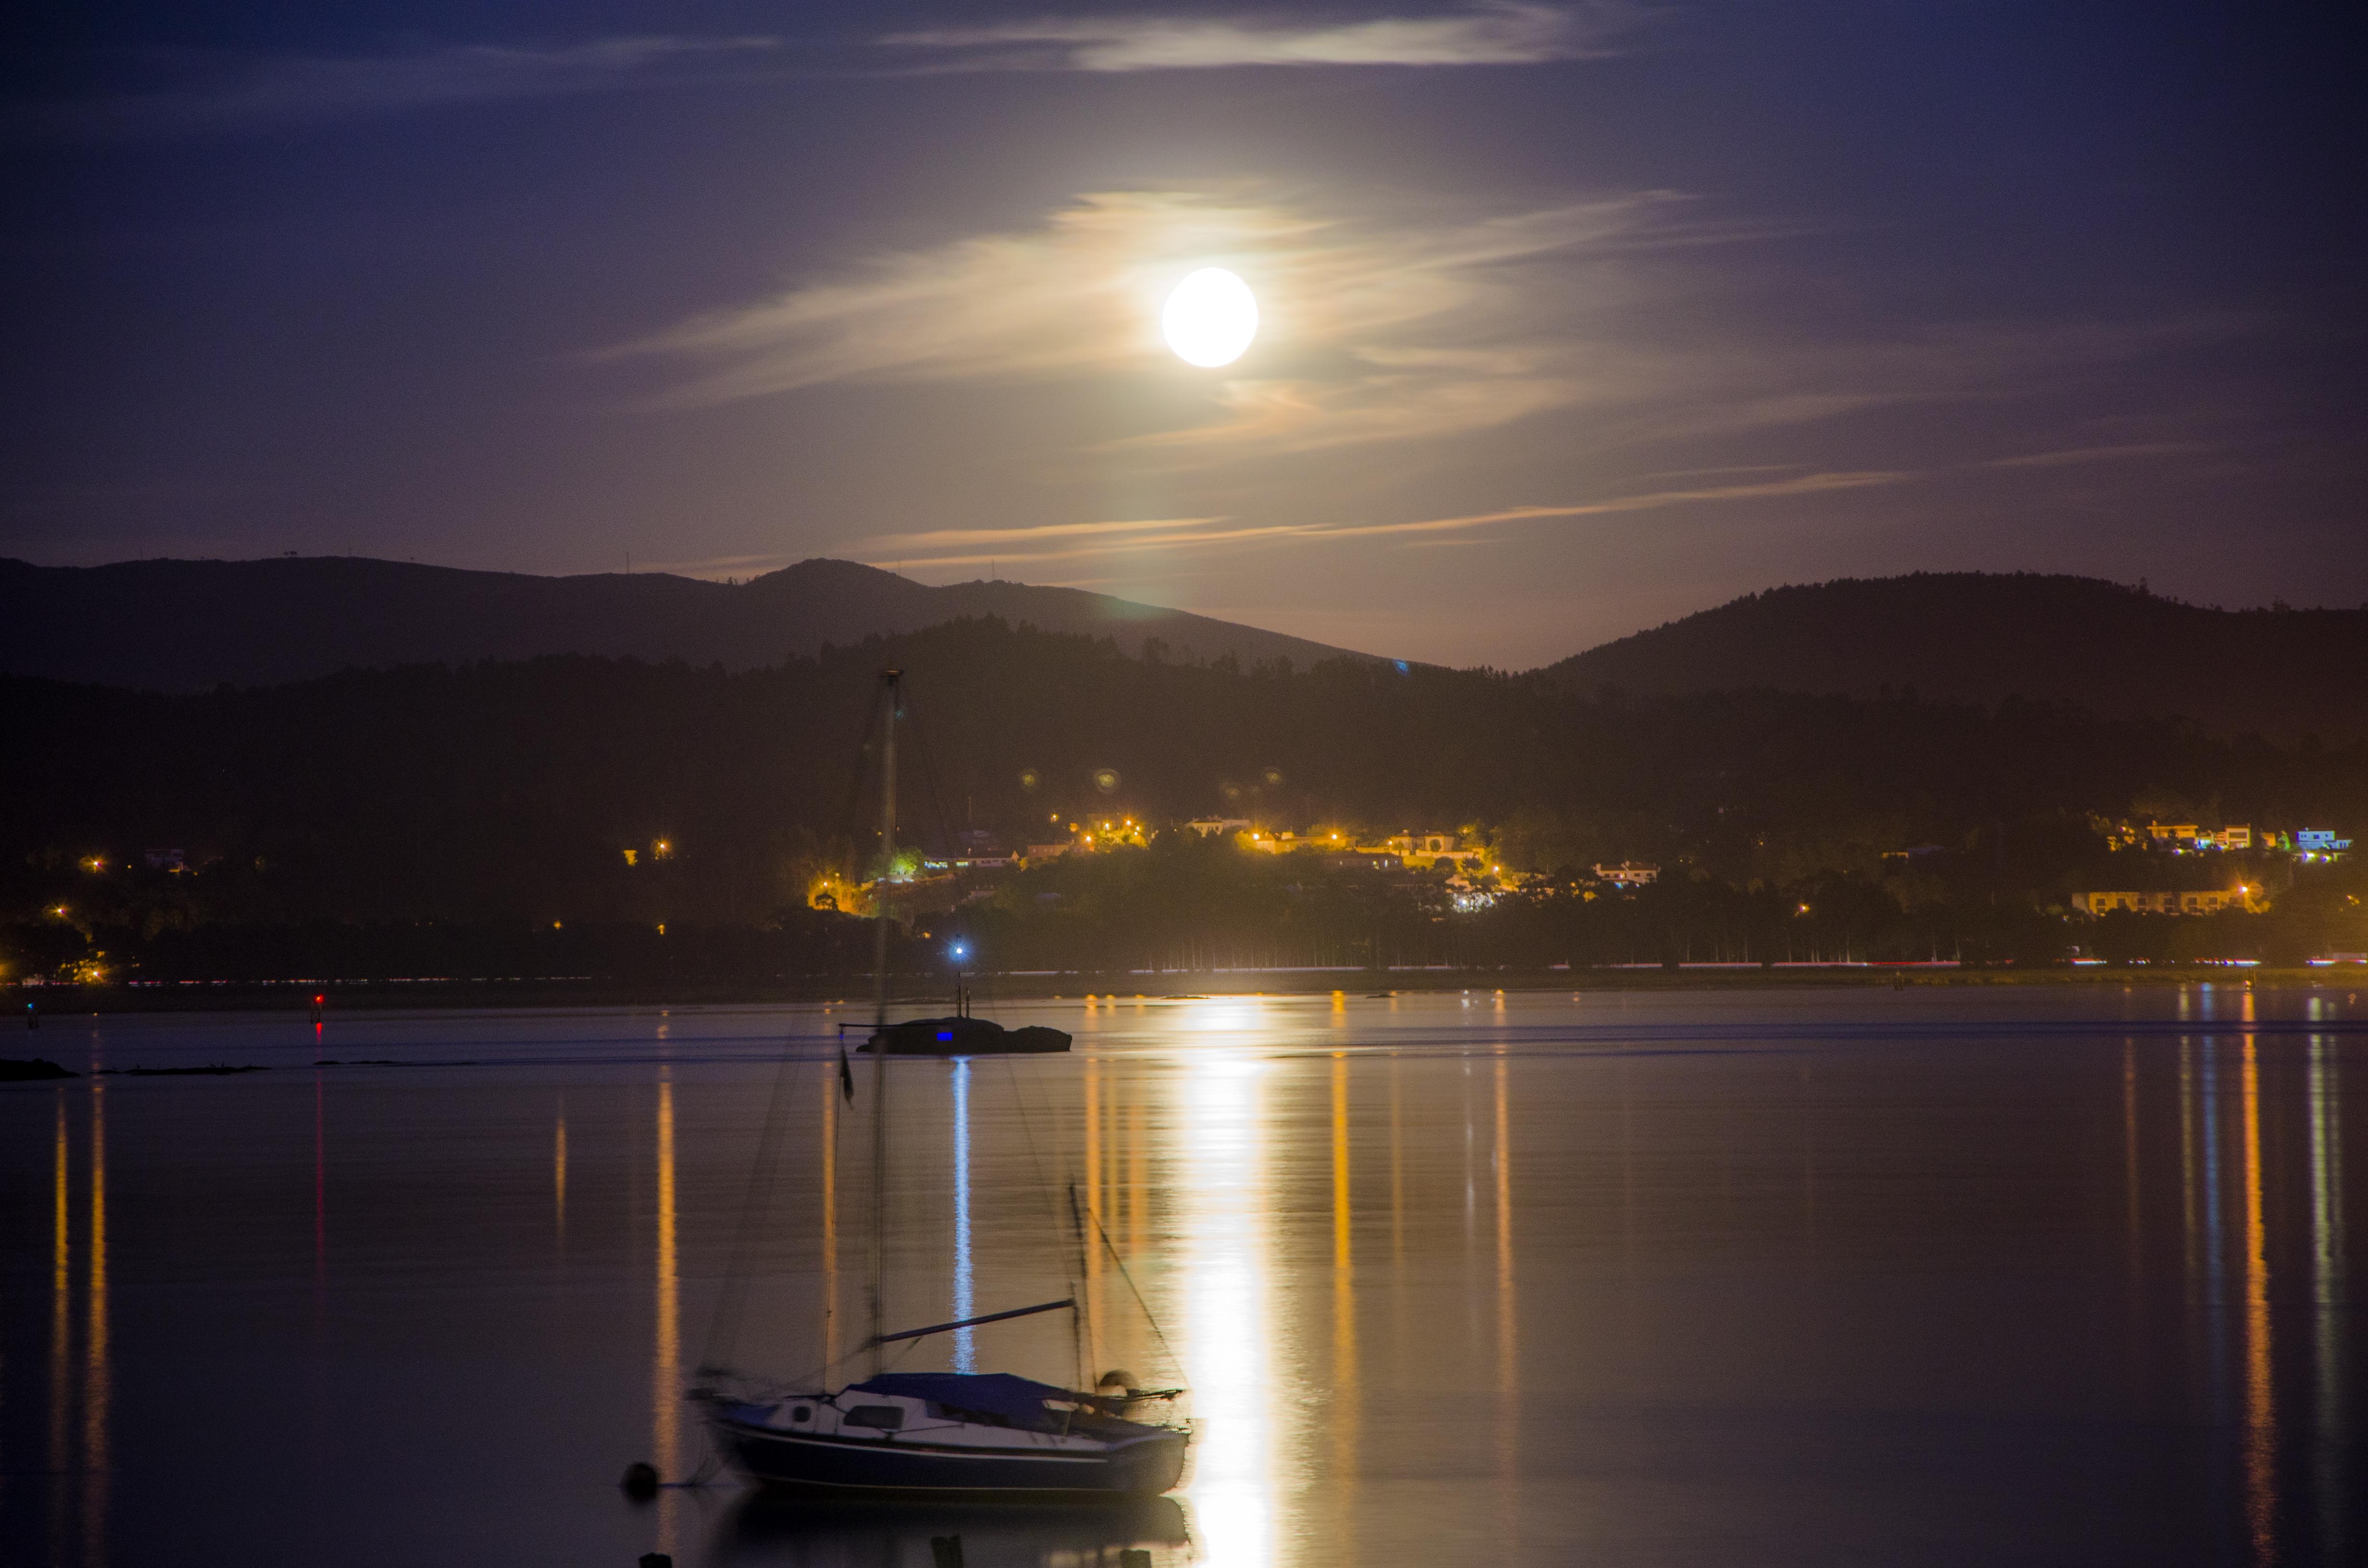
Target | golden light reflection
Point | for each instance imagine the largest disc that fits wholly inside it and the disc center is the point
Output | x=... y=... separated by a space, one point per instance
x=1344 y=1414
x=559 y=1171
x=1138 y=1192
x=2326 y=1287
x=61 y=1326
x=665 y=1370
x=2187 y=1157
x=1090 y=1242
x=2261 y=1415
x=2130 y=1145
x=97 y=1385
x=1225 y=1225
x=1508 y=1347
x=1397 y=1174
x=830 y=1220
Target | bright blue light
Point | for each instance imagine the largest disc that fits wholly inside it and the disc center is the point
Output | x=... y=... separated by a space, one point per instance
x=960 y=951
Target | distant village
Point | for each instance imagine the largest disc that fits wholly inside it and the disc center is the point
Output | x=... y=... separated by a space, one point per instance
x=2163 y=884
x=2170 y=868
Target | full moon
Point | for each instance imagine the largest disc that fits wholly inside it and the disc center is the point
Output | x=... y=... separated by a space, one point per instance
x=1210 y=318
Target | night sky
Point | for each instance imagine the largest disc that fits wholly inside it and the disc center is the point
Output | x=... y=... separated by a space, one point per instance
x=1575 y=318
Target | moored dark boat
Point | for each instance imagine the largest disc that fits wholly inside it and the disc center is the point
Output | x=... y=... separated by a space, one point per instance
x=961 y=1035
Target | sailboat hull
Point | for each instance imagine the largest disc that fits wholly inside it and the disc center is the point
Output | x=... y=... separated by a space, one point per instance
x=1139 y=1467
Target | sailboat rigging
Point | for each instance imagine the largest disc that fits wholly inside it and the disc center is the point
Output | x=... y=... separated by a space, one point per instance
x=940 y=1434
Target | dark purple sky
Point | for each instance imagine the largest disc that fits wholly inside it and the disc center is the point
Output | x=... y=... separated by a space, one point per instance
x=1576 y=318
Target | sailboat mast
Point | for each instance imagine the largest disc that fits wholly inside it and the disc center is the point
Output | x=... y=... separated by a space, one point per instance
x=893 y=680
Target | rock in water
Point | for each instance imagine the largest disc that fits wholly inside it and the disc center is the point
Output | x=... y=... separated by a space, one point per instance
x=15 y=1072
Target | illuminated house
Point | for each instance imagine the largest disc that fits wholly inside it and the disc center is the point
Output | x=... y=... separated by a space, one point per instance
x=1628 y=873
x=2191 y=902
x=1421 y=849
x=2319 y=844
x=1208 y=827
x=2188 y=836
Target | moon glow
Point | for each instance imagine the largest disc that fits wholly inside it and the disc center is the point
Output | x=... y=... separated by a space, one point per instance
x=1210 y=318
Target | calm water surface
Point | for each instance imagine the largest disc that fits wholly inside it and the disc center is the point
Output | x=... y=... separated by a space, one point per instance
x=1934 y=1276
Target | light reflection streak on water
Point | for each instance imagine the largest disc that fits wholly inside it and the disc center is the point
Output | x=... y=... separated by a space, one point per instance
x=320 y=1207
x=1397 y=1173
x=2212 y=1263
x=559 y=1172
x=965 y=1343
x=1471 y=1244
x=2130 y=1153
x=1228 y=1324
x=61 y=1327
x=97 y=1379
x=2187 y=1158
x=2261 y=1410
x=665 y=1370
x=1508 y=1409
x=830 y=1092
x=1090 y=1245
x=1344 y=1414
x=1138 y=1193
x=2326 y=1287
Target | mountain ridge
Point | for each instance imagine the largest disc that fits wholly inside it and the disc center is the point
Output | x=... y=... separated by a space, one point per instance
x=172 y=625
x=1991 y=637
x=175 y=625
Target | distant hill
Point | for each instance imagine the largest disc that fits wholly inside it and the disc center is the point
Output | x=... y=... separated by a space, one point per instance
x=190 y=625
x=1976 y=637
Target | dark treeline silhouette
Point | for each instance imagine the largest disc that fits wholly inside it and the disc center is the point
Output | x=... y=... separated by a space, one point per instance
x=433 y=820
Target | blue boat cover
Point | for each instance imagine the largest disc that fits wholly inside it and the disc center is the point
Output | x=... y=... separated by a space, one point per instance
x=1017 y=1399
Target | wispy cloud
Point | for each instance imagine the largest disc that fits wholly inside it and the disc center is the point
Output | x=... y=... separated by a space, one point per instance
x=2070 y=456
x=1803 y=485
x=939 y=539
x=1404 y=324
x=1387 y=324
x=1073 y=542
x=1503 y=34
x=210 y=91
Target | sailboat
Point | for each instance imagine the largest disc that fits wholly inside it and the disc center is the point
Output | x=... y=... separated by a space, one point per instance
x=943 y=1435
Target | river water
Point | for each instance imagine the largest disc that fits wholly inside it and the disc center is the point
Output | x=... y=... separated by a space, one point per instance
x=1942 y=1276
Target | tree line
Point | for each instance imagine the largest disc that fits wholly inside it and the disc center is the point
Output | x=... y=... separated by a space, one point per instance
x=504 y=797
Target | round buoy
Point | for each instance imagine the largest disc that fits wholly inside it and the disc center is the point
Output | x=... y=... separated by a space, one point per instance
x=641 y=1479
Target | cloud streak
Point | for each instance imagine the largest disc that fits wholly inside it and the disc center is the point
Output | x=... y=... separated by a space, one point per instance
x=2072 y=456
x=1397 y=324
x=958 y=547
x=1502 y=34
x=205 y=91
x=1402 y=323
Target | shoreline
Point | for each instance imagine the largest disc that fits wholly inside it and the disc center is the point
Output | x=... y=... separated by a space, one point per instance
x=67 y=1001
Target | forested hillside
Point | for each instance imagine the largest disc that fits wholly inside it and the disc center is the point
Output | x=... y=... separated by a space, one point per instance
x=509 y=793
x=1975 y=637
